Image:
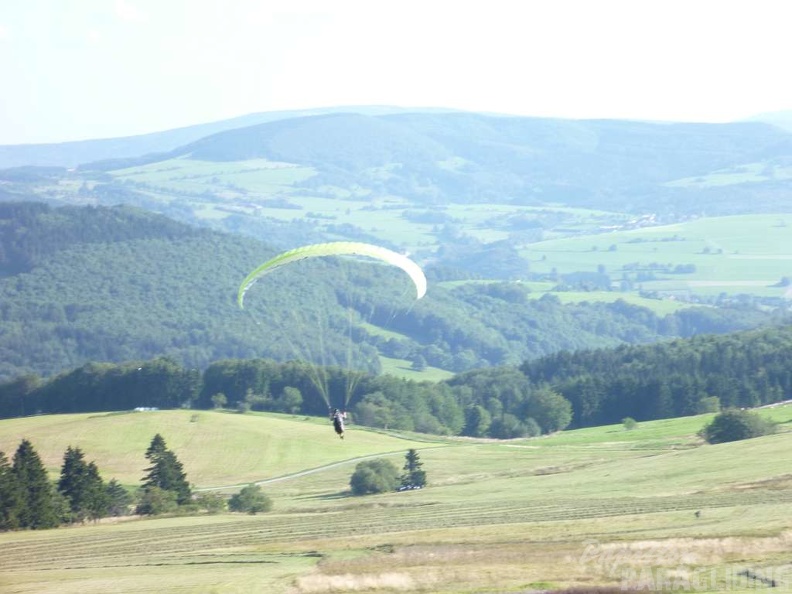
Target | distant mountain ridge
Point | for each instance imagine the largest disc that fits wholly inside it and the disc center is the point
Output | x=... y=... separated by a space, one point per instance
x=73 y=153
x=464 y=157
x=352 y=139
x=782 y=119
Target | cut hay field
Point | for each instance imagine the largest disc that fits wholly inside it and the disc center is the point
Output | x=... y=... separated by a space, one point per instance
x=645 y=509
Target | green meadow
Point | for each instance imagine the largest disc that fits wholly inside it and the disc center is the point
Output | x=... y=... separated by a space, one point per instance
x=748 y=173
x=734 y=254
x=746 y=254
x=648 y=508
x=238 y=177
x=251 y=186
x=537 y=290
x=403 y=368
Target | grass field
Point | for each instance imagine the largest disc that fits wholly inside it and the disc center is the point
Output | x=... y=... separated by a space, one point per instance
x=645 y=508
x=659 y=305
x=751 y=172
x=238 y=177
x=250 y=186
x=735 y=254
x=403 y=368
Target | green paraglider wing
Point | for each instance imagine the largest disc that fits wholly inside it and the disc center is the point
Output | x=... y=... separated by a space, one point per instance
x=339 y=248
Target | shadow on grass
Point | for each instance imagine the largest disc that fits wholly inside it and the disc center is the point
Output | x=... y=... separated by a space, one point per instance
x=328 y=496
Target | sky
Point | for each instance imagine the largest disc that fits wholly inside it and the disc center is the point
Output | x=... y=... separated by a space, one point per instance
x=80 y=69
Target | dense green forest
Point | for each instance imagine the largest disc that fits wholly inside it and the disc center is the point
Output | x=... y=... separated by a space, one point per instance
x=673 y=378
x=677 y=378
x=113 y=284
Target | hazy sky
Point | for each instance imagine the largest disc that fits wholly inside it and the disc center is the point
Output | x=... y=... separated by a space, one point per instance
x=75 y=69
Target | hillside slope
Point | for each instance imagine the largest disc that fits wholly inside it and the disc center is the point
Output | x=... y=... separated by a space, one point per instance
x=118 y=284
x=217 y=448
x=71 y=154
x=604 y=506
x=467 y=157
x=474 y=193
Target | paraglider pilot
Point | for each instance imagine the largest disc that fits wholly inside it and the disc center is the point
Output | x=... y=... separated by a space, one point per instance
x=338 y=421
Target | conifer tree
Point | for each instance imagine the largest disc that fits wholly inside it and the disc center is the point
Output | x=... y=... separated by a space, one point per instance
x=97 y=500
x=73 y=479
x=118 y=498
x=82 y=486
x=413 y=475
x=37 y=508
x=156 y=447
x=166 y=472
x=10 y=499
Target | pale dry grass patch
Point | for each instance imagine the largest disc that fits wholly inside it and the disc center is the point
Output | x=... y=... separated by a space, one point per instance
x=446 y=568
x=514 y=561
x=677 y=552
x=317 y=583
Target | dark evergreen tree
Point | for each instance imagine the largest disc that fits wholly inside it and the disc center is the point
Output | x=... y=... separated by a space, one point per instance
x=97 y=501
x=37 y=509
x=73 y=479
x=82 y=486
x=118 y=498
x=166 y=472
x=10 y=499
x=413 y=475
x=477 y=421
x=156 y=447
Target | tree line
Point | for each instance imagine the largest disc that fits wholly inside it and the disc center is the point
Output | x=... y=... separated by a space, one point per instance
x=28 y=500
x=594 y=387
x=671 y=379
x=261 y=384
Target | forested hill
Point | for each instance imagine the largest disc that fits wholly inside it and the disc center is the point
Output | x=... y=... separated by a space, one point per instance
x=81 y=284
x=670 y=379
x=32 y=233
x=468 y=157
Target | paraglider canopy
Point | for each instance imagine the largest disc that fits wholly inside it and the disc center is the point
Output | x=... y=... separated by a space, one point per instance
x=308 y=307
x=338 y=248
